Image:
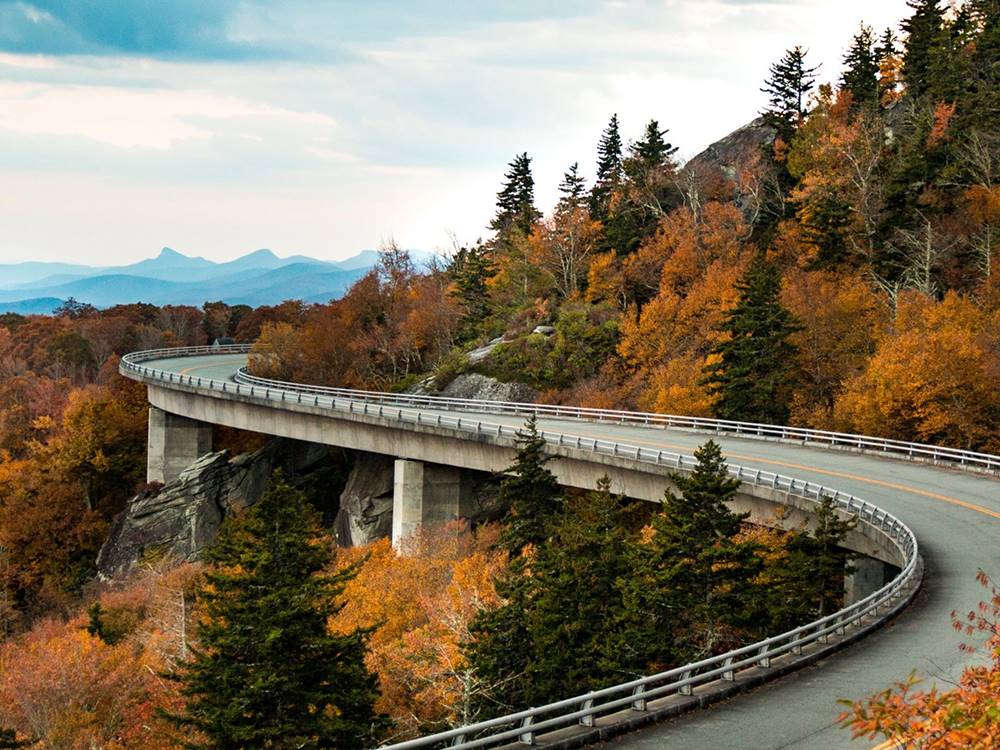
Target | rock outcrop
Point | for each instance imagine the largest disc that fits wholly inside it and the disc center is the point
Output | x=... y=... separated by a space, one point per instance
x=182 y=518
x=473 y=385
x=366 y=503
x=727 y=157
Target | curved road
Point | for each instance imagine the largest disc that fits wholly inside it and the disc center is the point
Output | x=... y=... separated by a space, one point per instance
x=955 y=516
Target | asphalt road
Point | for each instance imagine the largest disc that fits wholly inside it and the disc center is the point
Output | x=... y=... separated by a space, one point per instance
x=955 y=516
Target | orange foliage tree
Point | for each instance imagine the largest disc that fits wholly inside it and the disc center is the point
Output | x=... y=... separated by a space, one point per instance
x=964 y=718
x=932 y=377
x=72 y=689
x=420 y=605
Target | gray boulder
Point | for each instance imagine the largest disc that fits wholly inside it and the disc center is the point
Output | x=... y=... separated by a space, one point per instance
x=473 y=385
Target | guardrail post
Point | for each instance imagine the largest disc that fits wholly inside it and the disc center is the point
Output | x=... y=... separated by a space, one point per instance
x=687 y=688
x=729 y=675
x=528 y=737
x=639 y=698
x=587 y=720
x=764 y=659
x=458 y=740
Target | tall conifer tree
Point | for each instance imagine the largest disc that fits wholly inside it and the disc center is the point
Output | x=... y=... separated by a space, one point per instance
x=574 y=598
x=266 y=672
x=516 y=210
x=609 y=170
x=500 y=649
x=753 y=370
x=787 y=87
x=924 y=37
x=530 y=492
x=689 y=577
x=572 y=189
x=861 y=69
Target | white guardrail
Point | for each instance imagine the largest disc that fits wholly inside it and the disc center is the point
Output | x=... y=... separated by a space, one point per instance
x=524 y=726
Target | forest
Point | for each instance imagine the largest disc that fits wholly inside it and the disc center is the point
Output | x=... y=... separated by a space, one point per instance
x=838 y=269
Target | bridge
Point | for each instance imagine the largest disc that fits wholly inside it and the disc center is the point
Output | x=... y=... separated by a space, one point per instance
x=947 y=499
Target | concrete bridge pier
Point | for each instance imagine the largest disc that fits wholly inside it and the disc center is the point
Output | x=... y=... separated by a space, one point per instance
x=425 y=493
x=868 y=577
x=175 y=443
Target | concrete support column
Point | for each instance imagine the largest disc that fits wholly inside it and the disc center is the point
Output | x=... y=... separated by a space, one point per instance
x=868 y=577
x=426 y=494
x=174 y=444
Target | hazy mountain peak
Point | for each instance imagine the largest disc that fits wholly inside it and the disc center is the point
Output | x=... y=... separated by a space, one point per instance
x=260 y=255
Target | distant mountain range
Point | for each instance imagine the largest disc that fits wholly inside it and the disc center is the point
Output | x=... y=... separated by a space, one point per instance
x=258 y=278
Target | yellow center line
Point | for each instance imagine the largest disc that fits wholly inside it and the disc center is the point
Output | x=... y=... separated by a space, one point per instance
x=829 y=472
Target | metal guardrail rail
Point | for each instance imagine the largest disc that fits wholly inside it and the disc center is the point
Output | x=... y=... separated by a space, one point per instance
x=524 y=726
x=897 y=448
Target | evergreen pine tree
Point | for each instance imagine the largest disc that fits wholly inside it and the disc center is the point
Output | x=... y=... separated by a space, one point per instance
x=516 y=210
x=469 y=270
x=652 y=151
x=787 y=87
x=573 y=597
x=983 y=111
x=924 y=36
x=886 y=46
x=752 y=373
x=500 y=648
x=822 y=562
x=688 y=582
x=530 y=492
x=266 y=672
x=861 y=71
x=609 y=170
x=572 y=190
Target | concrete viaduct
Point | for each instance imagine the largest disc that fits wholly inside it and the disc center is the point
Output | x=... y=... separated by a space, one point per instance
x=949 y=500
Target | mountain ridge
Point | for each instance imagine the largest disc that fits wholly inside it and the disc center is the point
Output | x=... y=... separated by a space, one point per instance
x=260 y=277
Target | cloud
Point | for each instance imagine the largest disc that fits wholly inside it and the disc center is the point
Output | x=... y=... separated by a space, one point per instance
x=223 y=125
x=178 y=29
x=132 y=118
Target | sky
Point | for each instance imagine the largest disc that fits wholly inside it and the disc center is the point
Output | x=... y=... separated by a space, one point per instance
x=217 y=127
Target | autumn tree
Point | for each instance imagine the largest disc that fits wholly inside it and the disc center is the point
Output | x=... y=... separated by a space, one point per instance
x=416 y=644
x=266 y=672
x=563 y=245
x=962 y=716
x=929 y=378
x=752 y=373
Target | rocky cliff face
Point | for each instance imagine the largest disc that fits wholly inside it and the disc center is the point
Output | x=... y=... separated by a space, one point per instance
x=183 y=517
x=366 y=503
x=727 y=157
